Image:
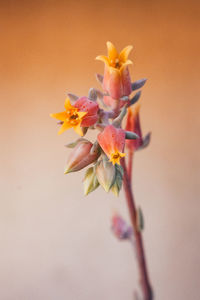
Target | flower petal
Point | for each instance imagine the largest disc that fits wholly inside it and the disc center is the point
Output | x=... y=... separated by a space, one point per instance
x=64 y=127
x=59 y=116
x=123 y=56
x=68 y=105
x=78 y=129
x=112 y=52
x=81 y=114
x=103 y=58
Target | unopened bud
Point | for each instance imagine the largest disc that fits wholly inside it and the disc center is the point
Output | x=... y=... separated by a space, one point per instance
x=80 y=157
x=120 y=228
x=90 y=181
x=105 y=172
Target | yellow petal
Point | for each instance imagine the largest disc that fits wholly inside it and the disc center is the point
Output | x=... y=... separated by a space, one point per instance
x=78 y=129
x=59 y=116
x=68 y=105
x=81 y=114
x=112 y=52
x=64 y=127
x=103 y=58
x=123 y=56
x=128 y=62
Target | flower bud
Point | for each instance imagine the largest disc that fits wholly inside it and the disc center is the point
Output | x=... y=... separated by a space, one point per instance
x=120 y=228
x=91 y=107
x=90 y=181
x=133 y=125
x=81 y=157
x=105 y=172
x=116 y=80
x=112 y=141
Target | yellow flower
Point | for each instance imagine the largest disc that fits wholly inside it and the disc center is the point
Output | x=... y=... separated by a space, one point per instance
x=116 y=80
x=116 y=156
x=71 y=118
x=115 y=60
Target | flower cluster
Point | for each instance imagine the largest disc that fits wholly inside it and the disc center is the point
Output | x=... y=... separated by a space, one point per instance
x=104 y=112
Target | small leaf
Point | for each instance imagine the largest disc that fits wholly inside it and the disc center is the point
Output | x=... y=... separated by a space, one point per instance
x=146 y=141
x=99 y=78
x=131 y=135
x=135 y=98
x=72 y=97
x=117 y=185
x=138 y=84
x=92 y=94
x=117 y=121
x=140 y=220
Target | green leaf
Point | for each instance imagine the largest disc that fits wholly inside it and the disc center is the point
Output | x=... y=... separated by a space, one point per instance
x=131 y=135
x=90 y=181
x=138 y=84
x=146 y=141
x=140 y=220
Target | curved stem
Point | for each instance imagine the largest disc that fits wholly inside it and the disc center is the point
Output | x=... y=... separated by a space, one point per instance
x=139 y=249
x=130 y=163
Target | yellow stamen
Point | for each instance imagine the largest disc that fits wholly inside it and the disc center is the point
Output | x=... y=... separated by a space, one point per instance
x=116 y=156
x=71 y=118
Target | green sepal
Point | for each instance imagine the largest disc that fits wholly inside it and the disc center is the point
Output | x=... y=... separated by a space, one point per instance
x=138 y=84
x=131 y=135
x=117 y=185
x=90 y=181
x=140 y=220
x=145 y=141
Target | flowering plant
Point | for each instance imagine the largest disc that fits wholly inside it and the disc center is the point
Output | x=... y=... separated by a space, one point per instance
x=110 y=156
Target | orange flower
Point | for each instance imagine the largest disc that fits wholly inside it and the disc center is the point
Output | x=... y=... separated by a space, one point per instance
x=116 y=80
x=71 y=118
x=112 y=141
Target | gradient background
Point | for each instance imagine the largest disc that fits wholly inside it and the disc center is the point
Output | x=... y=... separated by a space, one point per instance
x=54 y=243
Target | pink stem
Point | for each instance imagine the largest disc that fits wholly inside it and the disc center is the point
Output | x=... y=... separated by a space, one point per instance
x=139 y=249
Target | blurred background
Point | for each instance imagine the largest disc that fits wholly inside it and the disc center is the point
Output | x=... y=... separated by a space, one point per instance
x=54 y=242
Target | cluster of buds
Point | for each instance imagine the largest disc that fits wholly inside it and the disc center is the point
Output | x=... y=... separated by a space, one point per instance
x=104 y=112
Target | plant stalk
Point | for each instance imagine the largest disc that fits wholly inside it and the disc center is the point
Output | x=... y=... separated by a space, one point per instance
x=139 y=248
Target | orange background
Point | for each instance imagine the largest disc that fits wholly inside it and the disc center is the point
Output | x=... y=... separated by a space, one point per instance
x=56 y=244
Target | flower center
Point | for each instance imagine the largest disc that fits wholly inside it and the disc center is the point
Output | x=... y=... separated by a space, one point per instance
x=73 y=117
x=115 y=63
x=115 y=156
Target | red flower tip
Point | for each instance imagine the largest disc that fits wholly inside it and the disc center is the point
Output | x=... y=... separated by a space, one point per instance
x=112 y=141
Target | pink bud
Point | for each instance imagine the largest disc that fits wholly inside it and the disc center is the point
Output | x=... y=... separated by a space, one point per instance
x=133 y=124
x=112 y=141
x=81 y=157
x=120 y=228
x=91 y=107
x=117 y=82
